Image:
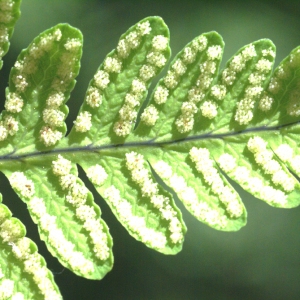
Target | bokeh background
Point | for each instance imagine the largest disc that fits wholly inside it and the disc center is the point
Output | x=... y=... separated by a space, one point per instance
x=262 y=260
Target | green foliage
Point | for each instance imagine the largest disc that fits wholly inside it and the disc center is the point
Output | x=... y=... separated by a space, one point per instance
x=199 y=130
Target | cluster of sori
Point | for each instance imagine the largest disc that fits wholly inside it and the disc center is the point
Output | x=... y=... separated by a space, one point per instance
x=52 y=130
x=7 y=289
x=283 y=75
x=270 y=166
x=47 y=223
x=245 y=107
x=6 y=16
x=254 y=89
x=285 y=153
x=77 y=195
x=253 y=184
x=226 y=194
x=155 y=60
x=136 y=164
x=207 y=71
x=134 y=224
x=188 y=196
x=8 y=125
x=33 y=264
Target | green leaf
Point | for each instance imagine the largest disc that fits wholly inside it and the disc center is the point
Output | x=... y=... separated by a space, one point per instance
x=39 y=85
x=23 y=272
x=9 y=14
x=199 y=131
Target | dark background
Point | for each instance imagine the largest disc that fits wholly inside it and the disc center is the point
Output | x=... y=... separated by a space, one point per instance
x=262 y=260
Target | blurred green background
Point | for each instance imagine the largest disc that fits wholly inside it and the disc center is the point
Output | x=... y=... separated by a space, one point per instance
x=261 y=261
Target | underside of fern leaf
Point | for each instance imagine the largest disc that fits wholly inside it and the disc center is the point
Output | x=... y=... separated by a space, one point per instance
x=199 y=130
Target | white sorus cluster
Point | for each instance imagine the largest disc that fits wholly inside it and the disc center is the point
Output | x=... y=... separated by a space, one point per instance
x=23 y=185
x=83 y=122
x=112 y=65
x=10 y=230
x=76 y=195
x=93 y=97
x=57 y=239
x=12 y=235
x=96 y=174
x=53 y=118
x=65 y=73
x=6 y=16
x=227 y=162
x=285 y=153
x=29 y=63
x=33 y=265
x=136 y=165
x=188 y=195
x=7 y=290
x=265 y=102
x=133 y=39
x=205 y=166
x=51 y=113
x=127 y=113
x=135 y=224
x=209 y=109
x=61 y=166
x=161 y=95
x=253 y=184
x=9 y=126
x=14 y=103
x=149 y=115
x=253 y=92
x=147 y=72
x=101 y=79
x=264 y=158
x=185 y=121
x=155 y=59
x=214 y=52
x=72 y=44
x=237 y=64
x=218 y=92
x=50 y=136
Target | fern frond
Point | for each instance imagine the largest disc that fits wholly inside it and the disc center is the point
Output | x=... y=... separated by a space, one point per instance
x=200 y=130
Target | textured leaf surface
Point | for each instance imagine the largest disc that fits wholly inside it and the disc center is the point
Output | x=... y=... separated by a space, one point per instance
x=200 y=130
x=9 y=14
x=23 y=272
